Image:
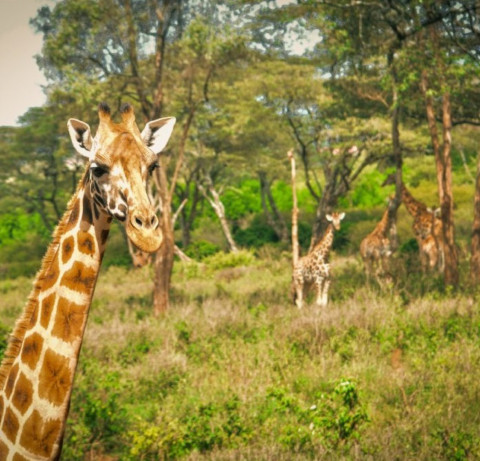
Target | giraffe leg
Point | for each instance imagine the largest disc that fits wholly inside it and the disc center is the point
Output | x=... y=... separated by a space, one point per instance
x=319 y=289
x=326 y=286
x=368 y=269
x=298 y=293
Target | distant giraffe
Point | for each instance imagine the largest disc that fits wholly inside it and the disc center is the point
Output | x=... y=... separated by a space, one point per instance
x=37 y=372
x=433 y=248
x=427 y=229
x=376 y=248
x=314 y=268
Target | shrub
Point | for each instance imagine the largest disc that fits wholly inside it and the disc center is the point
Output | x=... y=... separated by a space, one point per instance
x=223 y=260
x=201 y=249
x=258 y=233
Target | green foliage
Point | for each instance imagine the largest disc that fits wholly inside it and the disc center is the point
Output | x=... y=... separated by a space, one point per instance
x=257 y=234
x=222 y=260
x=100 y=415
x=332 y=419
x=242 y=201
x=4 y=334
x=367 y=193
x=15 y=227
x=201 y=249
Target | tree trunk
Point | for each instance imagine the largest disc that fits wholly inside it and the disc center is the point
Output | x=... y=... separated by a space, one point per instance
x=475 y=260
x=295 y=246
x=443 y=163
x=397 y=152
x=219 y=209
x=163 y=270
x=325 y=205
x=451 y=255
x=274 y=217
x=164 y=256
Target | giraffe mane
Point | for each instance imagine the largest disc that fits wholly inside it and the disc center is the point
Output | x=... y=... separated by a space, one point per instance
x=16 y=337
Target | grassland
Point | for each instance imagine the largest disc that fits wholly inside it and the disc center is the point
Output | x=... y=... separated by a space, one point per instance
x=234 y=372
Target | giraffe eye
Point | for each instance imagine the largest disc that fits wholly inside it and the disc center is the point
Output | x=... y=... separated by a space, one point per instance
x=98 y=170
x=152 y=167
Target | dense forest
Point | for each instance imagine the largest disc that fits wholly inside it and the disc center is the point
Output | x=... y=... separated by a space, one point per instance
x=374 y=105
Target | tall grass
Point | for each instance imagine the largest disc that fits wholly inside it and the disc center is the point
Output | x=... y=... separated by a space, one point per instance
x=234 y=372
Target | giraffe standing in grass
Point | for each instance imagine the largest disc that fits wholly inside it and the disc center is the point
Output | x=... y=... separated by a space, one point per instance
x=314 y=268
x=432 y=244
x=38 y=368
x=427 y=229
x=376 y=248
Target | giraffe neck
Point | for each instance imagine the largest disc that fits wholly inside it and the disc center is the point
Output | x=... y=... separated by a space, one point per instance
x=385 y=224
x=323 y=247
x=37 y=372
x=413 y=206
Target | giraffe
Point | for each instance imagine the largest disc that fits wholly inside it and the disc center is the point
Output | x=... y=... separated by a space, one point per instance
x=427 y=228
x=314 y=268
x=376 y=248
x=433 y=250
x=38 y=368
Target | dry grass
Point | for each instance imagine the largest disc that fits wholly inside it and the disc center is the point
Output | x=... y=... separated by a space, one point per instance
x=230 y=372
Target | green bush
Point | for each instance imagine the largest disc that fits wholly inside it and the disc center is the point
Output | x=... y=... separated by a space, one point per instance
x=201 y=249
x=223 y=260
x=258 y=233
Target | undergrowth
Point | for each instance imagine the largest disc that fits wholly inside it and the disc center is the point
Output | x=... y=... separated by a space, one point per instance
x=235 y=371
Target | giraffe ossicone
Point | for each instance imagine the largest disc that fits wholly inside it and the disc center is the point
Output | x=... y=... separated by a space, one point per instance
x=39 y=364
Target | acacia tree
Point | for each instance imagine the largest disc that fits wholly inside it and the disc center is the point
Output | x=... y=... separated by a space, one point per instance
x=102 y=50
x=356 y=39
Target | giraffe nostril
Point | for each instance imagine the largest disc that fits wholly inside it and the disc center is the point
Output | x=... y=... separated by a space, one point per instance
x=138 y=221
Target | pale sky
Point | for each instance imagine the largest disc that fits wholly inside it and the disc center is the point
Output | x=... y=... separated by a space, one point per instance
x=20 y=78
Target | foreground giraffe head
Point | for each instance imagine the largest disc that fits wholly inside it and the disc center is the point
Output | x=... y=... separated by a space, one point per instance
x=121 y=159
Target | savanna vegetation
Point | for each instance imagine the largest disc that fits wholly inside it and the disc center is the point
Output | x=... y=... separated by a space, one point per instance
x=205 y=356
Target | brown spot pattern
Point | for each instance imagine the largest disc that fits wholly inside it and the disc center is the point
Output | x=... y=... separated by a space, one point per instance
x=104 y=236
x=32 y=347
x=39 y=434
x=33 y=318
x=3 y=450
x=50 y=275
x=18 y=457
x=87 y=211
x=69 y=320
x=12 y=376
x=55 y=378
x=67 y=249
x=85 y=243
x=73 y=218
x=79 y=277
x=23 y=394
x=47 y=306
x=10 y=425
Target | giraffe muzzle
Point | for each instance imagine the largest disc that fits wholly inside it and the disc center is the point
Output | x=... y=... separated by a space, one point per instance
x=144 y=231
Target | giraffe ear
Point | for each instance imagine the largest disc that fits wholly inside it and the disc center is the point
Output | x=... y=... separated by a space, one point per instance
x=81 y=137
x=329 y=217
x=157 y=133
x=341 y=215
